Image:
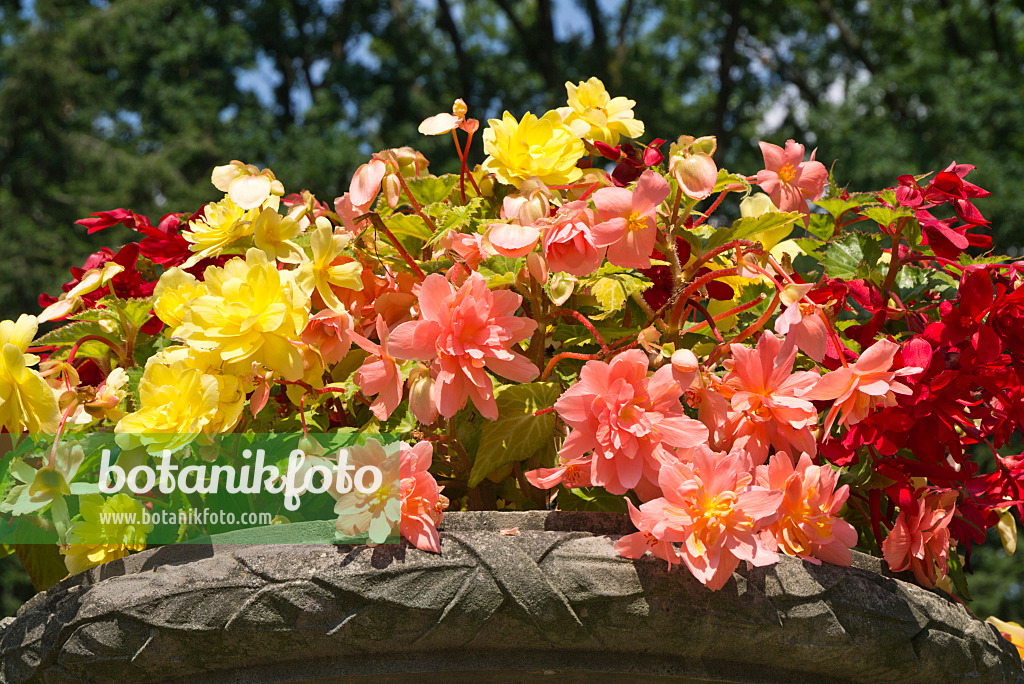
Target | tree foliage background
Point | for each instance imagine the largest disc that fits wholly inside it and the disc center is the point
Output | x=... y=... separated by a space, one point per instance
x=131 y=103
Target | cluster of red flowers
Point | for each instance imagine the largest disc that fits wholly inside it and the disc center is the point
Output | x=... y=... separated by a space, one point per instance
x=971 y=393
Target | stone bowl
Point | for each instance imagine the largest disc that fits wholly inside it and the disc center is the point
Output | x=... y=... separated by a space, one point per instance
x=513 y=597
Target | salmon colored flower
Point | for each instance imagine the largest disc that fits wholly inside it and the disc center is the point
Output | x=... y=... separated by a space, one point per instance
x=627 y=220
x=919 y=541
x=809 y=525
x=463 y=332
x=572 y=473
x=442 y=123
x=803 y=322
x=712 y=508
x=569 y=241
x=628 y=420
x=639 y=543
x=860 y=388
x=329 y=332
x=788 y=179
x=768 y=402
x=377 y=513
x=422 y=501
x=379 y=375
x=362 y=191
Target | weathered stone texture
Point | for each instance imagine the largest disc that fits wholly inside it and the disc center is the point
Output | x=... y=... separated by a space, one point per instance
x=490 y=607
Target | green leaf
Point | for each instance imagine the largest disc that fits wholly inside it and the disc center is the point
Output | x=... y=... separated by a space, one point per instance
x=72 y=332
x=856 y=255
x=405 y=224
x=769 y=227
x=956 y=573
x=134 y=376
x=885 y=216
x=612 y=286
x=590 y=499
x=456 y=219
x=725 y=179
x=837 y=207
x=430 y=190
x=517 y=434
x=822 y=226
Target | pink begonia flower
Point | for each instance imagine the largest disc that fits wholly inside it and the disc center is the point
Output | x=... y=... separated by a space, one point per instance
x=788 y=179
x=802 y=321
x=463 y=332
x=422 y=501
x=628 y=420
x=859 y=388
x=472 y=247
x=442 y=123
x=569 y=241
x=639 y=543
x=571 y=473
x=809 y=525
x=519 y=235
x=712 y=508
x=919 y=540
x=768 y=402
x=380 y=373
x=361 y=193
x=330 y=333
x=378 y=512
x=627 y=220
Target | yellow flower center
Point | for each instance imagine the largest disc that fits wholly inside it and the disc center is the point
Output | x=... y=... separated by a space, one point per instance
x=787 y=172
x=635 y=222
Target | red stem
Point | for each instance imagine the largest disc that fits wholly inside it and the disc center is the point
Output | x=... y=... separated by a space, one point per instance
x=94 y=338
x=380 y=225
x=711 y=209
x=586 y=323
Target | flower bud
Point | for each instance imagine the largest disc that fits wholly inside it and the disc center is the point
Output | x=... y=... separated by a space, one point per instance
x=696 y=174
x=534 y=209
x=459 y=108
x=684 y=361
x=392 y=189
x=538 y=267
x=420 y=386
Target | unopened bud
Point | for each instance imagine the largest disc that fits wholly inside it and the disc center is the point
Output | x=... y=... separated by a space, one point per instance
x=392 y=189
x=685 y=361
x=538 y=267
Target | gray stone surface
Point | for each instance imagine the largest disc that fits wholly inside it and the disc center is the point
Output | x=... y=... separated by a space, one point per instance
x=551 y=603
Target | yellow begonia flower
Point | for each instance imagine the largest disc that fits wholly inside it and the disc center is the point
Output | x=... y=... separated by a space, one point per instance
x=175 y=404
x=251 y=312
x=324 y=273
x=110 y=528
x=231 y=388
x=222 y=223
x=175 y=289
x=1011 y=631
x=273 y=234
x=546 y=148
x=606 y=118
x=26 y=401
